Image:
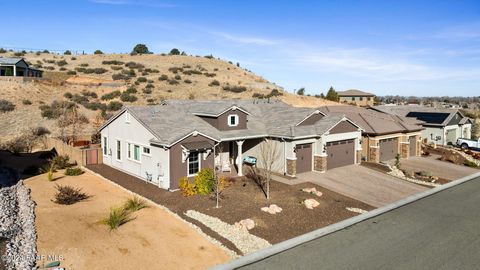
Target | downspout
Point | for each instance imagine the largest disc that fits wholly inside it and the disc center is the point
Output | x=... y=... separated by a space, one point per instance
x=284 y=157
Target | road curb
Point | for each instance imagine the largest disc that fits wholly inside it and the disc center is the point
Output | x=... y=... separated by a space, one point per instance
x=296 y=241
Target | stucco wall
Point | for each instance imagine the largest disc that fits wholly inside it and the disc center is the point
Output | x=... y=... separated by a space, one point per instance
x=156 y=164
x=253 y=148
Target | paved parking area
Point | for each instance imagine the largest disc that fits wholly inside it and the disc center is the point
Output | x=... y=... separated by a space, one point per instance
x=363 y=184
x=438 y=168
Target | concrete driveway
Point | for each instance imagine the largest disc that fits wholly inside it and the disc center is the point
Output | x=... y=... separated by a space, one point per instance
x=438 y=168
x=363 y=184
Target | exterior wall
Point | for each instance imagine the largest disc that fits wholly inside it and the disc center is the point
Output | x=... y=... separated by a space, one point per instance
x=320 y=163
x=253 y=148
x=312 y=119
x=371 y=150
x=179 y=167
x=466 y=131
x=343 y=127
x=433 y=134
x=221 y=122
x=357 y=101
x=156 y=164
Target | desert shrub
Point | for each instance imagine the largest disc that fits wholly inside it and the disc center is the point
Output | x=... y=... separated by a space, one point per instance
x=116 y=67
x=79 y=99
x=69 y=195
x=114 y=106
x=397 y=161
x=73 y=58
x=209 y=56
x=149 y=86
x=131 y=90
x=6 y=106
x=173 y=82
x=62 y=69
x=141 y=79
x=151 y=100
x=2 y=50
x=45 y=51
x=116 y=218
x=18 y=54
x=67 y=52
x=17 y=145
x=62 y=63
x=175 y=70
x=150 y=70
x=134 y=204
x=96 y=70
x=469 y=163
x=89 y=94
x=71 y=72
x=234 y=88
x=210 y=75
x=214 y=83
x=68 y=95
x=178 y=77
x=119 y=76
x=97 y=52
x=84 y=64
x=147 y=91
x=49 y=68
x=215 y=69
x=187 y=81
x=134 y=65
x=126 y=97
x=204 y=181
x=140 y=49
x=26 y=102
x=60 y=162
x=191 y=96
x=111 y=95
x=74 y=171
x=187 y=188
x=174 y=51
x=425 y=174
x=163 y=77
x=95 y=106
x=113 y=62
x=258 y=95
x=275 y=93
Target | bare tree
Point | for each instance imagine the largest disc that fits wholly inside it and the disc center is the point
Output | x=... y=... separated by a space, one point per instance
x=76 y=121
x=219 y=180
x=268 y=155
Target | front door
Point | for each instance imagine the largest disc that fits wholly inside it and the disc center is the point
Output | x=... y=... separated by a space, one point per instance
x=304 y=157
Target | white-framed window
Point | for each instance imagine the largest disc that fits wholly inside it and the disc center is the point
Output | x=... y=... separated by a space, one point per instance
x=136 y=152
x=129 y=150
x=119 y=150
x=193 y=163
x=146 y=150
x=127 y=117
x=233 y=120
x=105 y=145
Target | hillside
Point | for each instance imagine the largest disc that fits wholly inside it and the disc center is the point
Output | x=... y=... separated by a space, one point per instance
x=131 y=80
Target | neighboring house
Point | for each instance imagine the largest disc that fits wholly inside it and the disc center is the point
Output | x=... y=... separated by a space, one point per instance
x=442 y=126
x=177 y=138
x=357 y=97
x=383 y=136
x=17 y=67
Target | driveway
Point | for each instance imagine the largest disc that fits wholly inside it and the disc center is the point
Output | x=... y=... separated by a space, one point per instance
x=363 y=184
x=438 y=168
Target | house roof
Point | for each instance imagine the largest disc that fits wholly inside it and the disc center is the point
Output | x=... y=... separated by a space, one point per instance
x=373 y=122
x=430 y=116
x=9 y=60
x=354 y=93
x=173 y=120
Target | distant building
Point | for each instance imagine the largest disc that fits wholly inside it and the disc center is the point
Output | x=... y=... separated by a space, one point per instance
x=356 y=97
x=17 y=67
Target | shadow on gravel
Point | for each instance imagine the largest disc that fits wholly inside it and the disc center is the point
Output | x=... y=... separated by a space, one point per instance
x=3 y=250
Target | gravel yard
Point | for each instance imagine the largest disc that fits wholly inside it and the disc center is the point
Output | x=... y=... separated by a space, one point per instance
x=243 y=199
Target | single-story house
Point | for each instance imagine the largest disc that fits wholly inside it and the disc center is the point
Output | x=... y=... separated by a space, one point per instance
x=17 y=67
x=164 y=143
x=442 y=126
x=357 y=97
x=383 y=135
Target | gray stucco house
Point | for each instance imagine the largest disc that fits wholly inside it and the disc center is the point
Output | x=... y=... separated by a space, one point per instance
x=175 y=139
x=17 y=67
x=441 y=126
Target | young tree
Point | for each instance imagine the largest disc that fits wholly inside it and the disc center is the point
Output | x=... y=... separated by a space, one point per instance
x=332 y=94
x=301 y=91
x=75 y=120
x=140 y=49
x=174 y=51
x=67 y=52
x=268 y=154
x=98 y=52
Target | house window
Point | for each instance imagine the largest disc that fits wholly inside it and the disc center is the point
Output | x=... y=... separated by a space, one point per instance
x=233 y=120
x=193 y=163
x=119 y=150
x=129 y=150
x=136 y=152
x=127 y=117
x=105 y=145
x=353 y=98
x=361 y=98
x=146 y=150
x=369 y=98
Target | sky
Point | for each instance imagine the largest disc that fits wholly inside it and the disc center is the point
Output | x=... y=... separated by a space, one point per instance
x=421 y=48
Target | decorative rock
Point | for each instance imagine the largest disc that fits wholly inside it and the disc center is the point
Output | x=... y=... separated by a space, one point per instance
x=395 y=172
x=356 y=210
x=272 y=209
x=246 y=224
x=313 y=191
x=311 y=203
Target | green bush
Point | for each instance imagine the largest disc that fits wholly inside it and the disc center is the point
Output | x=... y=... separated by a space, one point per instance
x=147 y=91
x=204 y=181
x=26 y=102
x=140 y=49
x=134 y=204
x=469 y=163
x=174 y=51
x=214 y=83
x=163 y=77
x=69 y=195
x=134 y=65
x=141 y=79
x=89 y=94
x=97 y=52
x=187 y=81
x=112 y=62
x=67 y=52
x=175 y=70
x=173 y=82
x=114 y=106
x=131 y=90
x=6 y=106
x=74 y=171
x=71 y=72
x=119 y=76
x=62 y=63
x=126 y=97
x=187 y=188
x=116 y=218
x=235 y=88
x=111 y=95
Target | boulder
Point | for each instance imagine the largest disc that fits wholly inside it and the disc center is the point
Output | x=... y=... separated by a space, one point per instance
x=313 y=191
x=272 y=209
x=246 y=224
x=311 y=203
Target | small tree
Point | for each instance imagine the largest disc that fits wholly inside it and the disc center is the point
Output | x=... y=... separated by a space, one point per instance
x=332 y=95
x=140 y=49
x=301 y=91
x=174 y=51
x=98 y=52
x=67 y=52
x=268 y=154
x=76 y=120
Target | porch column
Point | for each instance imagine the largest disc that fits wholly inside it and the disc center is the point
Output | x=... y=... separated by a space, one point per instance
x=239 y=158
x=14 y=71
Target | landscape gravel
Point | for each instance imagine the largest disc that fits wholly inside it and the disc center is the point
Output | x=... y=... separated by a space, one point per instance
x=242 y=239
x=356 y=210
x=394 y=171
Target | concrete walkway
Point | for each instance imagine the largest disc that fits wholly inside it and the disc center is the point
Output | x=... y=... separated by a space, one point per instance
x=438 y=168
x=437 y=232
x=360 y=183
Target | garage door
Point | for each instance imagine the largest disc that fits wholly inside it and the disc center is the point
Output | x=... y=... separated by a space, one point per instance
x=451 y=136
x=304 y=157
x=413 y=146
x=388 y=149
x=340 y=153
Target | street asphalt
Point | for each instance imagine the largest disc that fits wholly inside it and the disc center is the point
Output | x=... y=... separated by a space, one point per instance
x=441 y=231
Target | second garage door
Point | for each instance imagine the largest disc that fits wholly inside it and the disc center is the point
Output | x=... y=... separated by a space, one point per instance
x=304 y=157
x=340 y=153
x=388 y=149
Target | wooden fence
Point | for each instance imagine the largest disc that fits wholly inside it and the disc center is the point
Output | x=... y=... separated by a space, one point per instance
x=88 y=155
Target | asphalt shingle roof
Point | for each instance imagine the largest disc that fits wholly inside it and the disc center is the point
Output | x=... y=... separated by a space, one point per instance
x=9 y=60
x=354 y=93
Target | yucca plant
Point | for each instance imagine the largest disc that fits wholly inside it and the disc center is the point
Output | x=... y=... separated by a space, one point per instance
x=134 y=204
x=116 y=218
x=50 y=171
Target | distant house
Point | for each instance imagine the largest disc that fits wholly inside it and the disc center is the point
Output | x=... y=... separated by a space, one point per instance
x=357 y=97
x=17 y=67
x=442 y=126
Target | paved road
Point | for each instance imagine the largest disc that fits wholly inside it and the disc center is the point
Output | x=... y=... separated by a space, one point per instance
x=441 y=231
x=364 y=184
x=438 y=168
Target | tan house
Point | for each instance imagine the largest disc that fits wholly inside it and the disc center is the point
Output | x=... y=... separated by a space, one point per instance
x=383 y=135
x=357 y=97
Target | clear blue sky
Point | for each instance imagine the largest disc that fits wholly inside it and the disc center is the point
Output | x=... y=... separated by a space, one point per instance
x=386 y=47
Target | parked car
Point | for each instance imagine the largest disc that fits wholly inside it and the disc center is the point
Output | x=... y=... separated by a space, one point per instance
x=468 y=144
